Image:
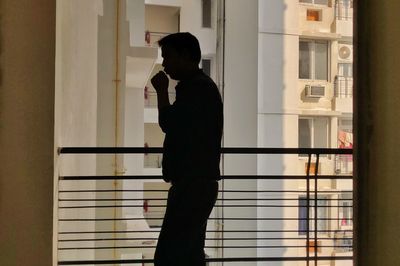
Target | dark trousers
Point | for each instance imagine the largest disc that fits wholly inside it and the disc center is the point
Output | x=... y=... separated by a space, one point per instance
x=182 y=237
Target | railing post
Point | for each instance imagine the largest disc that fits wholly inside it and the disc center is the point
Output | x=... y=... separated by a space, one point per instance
x=308 y=210
x=316 y=211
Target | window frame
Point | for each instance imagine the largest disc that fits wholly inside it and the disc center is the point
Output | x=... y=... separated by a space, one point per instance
x=302 y=224
x=341 y=66
x=313 y=118
x=210 y=17
x=343 y=209
x=312 y=59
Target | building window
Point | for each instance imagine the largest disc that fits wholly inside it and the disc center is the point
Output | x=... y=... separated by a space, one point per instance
x=313 y=15
x=322 y=214
x=344 y=81
x=313 y=60
x=346 y=209
x=345 y=70
x=315 y=2
x=314 y=132
x=344 y=9
x=302 y=215
x=206 y=66
x=344 y=162
x=206 y=11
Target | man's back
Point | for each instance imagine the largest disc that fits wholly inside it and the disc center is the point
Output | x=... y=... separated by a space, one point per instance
x=193 y=127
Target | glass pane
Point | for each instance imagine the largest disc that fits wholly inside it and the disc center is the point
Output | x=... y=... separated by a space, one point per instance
x=304 y=60
x=321 y=61
x=207 y=13
x=304 y=133
x=306 y=1
x=322 y=214
x=302 y=215
x=206 y=66
x=345 y=70
x=320 y=133
x=321 y=2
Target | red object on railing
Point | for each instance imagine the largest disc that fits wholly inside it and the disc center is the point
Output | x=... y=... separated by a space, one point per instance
x=147 y=37
x=145 y=206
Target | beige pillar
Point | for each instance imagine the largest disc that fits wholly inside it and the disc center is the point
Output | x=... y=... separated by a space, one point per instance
x=377 y=127
x=27 y=50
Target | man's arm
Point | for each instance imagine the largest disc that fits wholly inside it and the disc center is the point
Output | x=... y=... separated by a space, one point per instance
x=160 y=83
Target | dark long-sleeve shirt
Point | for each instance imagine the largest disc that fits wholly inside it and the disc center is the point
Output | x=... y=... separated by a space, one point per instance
x=193 y=127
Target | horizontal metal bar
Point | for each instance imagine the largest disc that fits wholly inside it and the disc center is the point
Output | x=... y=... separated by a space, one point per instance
x=230 y=199
x=213 y=247
x=226 y=150
x=209 y=239
x=237 y=259
x=214 y=219
x=221 y=191
x=216 y=206
x=208 y=231
x=225 y=177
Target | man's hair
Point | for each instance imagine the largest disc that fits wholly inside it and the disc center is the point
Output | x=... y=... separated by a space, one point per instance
x=181 y=42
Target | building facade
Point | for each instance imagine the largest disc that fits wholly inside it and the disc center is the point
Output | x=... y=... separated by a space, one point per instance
x=284 y=69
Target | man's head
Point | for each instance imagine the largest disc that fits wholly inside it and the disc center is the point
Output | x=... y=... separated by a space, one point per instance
x=181 y=53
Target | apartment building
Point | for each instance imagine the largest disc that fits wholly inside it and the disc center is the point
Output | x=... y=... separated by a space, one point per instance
x=31 y=166
x=285 y=74
x=304 y=99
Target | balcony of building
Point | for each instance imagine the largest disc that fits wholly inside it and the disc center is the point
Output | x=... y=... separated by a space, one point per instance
x=343 y=100
x=344 y=18
x=301 y=218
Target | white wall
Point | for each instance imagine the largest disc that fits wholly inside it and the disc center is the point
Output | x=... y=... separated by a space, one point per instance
x=76 y=103
x=135 y=14
x=277 y=118
x=240 y=111
x=191 y=21
x=162 y=19
x=77 y=80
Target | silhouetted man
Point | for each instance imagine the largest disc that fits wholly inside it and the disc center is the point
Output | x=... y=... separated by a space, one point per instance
x=193 y=128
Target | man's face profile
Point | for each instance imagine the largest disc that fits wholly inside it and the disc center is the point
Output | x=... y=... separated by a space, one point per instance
x=170 y=62
x=175 y=64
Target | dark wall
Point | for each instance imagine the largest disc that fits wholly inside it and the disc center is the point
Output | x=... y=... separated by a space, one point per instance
x=27 y=71
x=377 y=131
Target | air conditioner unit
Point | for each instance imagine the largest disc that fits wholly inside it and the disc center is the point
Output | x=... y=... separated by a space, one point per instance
x=315 y=91
x=345 y=52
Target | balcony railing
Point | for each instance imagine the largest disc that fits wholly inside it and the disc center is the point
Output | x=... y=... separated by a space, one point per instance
x=344 y=164
x=104 y=222
x=344 y=9
x=343 y=87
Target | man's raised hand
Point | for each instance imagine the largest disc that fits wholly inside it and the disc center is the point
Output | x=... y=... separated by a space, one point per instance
x=160 y=82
